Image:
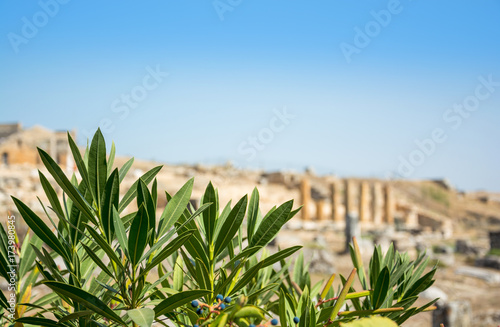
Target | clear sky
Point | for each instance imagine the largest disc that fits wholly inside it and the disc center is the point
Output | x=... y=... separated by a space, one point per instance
x=356 y=88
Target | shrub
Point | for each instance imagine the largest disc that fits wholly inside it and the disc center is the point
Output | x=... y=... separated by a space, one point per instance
x=210 y=270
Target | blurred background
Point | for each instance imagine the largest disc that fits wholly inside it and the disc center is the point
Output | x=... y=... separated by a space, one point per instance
x=380 y=117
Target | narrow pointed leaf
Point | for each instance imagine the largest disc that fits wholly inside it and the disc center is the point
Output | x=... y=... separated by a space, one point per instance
x=168 y=250
x=37 y=321
x=80 y=164
x=125 y=168
x=97 y=167
x=231 y=225
x=327 y=287
x=381 y=288
x=253 y=212
x=143 y=317
x=120 y=232
x=111 y=158
x=64 y=183
x=86 y=299
x=138 y=236
x=145 y=199
x=105 y=247
x=41 y=229
x=97 y=260
x=175 y=207
x=341 y=298
x=178 y=300
x=210 y=215
x=272 y=224
x=110 y=202
x=51 y=194
x=132 y=192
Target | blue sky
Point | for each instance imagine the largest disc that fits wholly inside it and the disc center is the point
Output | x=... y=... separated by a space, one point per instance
x=370 y=88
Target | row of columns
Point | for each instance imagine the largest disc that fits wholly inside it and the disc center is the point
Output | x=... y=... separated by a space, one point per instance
x=371 y=202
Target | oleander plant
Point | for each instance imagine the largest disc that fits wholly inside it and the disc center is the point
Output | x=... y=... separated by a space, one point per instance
x=101 y=259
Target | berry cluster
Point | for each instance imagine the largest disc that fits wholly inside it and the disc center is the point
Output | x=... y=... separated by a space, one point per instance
x=215 y=308
x=221 y=305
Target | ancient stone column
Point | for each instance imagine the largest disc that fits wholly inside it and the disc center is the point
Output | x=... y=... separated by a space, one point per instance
x=411 y=219
x=305 y=193
x=352 y=227
x=389 y=204
x=336 y=201
x=377 y=203
x=320 y=210
x=364 y=204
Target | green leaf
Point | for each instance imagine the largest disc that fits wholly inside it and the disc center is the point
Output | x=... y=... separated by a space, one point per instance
x=111 y=158
x=97 y=260
x=280 y=256
x=27 y=254
x=110 y=202
x=381 y=288
x=253 y=212
x=86 y=299
x=375 y=265
x=132 y=192
x=168 y=250
x=282 y=308
x=210 y=215
x=272 y=224
x=371 y=322
x=231 y=225
x=37 y=321
x=80 y=164
x=357 y=260
x=175 y=207
x=220 y=221
x=178 y=282
x=143 y=317
x=246 y=278
x=298 y=268
x=341 y=298
x=97 y=167
x=144 y=198
x=177 y=300
x=138 y=236
x=40 y=229
x=202 y=275
x=243 y=255
x=220 y=321
x=51 y=194
x=249 y=311
x=75 y=315
x=120 y=232
x=77 y=218
x=65 y=184
x=421 y=285
x=3 y=301
x=125 y=168
x=179 y=229
x=105 y=246
x=327 y=287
